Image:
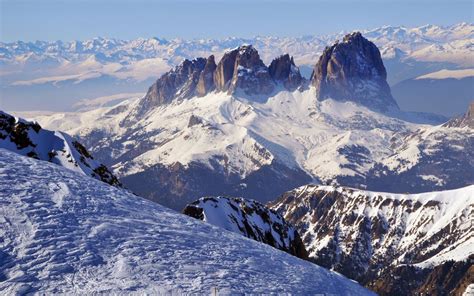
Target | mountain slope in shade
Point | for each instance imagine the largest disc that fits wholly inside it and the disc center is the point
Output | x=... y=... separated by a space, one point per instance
x=249 y=218
x=28 y=138
x=394 y=243
x=64 y=233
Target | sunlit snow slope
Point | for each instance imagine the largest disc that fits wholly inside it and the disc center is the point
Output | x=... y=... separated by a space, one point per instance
x=62 y=232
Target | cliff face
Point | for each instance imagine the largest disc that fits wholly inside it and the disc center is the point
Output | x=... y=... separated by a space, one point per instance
x=242 y=69
x=283 y=70
x=179 y=83
x=352 y=70
x=206 y=77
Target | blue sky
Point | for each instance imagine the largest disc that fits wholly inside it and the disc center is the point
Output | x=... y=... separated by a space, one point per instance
x=82 y=19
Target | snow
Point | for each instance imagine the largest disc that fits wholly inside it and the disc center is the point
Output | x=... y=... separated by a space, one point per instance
x=469 y=290
x=438 y=211
x=230 y=214
x=91 y=104
x=445 y=74
x=291 y=128
x=65 y=233
x=54 y=146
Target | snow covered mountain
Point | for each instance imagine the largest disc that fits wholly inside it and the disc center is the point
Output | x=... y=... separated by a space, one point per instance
x=58 y=74
x=396 y=244
x=65 y=233
x=178 y=143
x=250 y=219
x=29 y=139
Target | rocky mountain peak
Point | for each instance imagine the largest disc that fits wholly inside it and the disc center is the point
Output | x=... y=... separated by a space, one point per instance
x=179 y=83
x=283 y=69
x=352 y=70
x=242 y=70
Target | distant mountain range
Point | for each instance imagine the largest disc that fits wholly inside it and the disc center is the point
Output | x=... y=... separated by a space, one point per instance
x=55 y=75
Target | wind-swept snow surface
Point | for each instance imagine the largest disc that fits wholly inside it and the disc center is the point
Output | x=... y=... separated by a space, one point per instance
x=62 y=232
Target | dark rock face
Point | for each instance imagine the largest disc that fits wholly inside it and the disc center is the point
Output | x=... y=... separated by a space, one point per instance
x=206 y=78
x=179 y=83
x=449 y=278
x=464 y=121
x=242 y=69
x=284 y=70
x=30 y=139
x=194 y=120
x=249 y=218
x=367 y=238
x=352 y=70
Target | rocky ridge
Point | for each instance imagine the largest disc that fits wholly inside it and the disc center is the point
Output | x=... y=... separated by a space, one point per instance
x=240 y=71
x=249 y=218
x=30 y=139
x=372 y=236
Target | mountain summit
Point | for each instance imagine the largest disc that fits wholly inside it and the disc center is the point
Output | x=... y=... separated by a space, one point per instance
x=352 y=70
x=240 y=71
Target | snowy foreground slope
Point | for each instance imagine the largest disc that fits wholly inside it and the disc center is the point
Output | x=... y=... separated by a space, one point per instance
x=63 y=232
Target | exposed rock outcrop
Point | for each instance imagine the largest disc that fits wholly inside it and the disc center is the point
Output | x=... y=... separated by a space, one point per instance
x=464 y=121
x=249 y=218
x=179 y=83
x=283 y=70
x=242 y=70
x=30 y=139
x=206 y=78
x=352 y=70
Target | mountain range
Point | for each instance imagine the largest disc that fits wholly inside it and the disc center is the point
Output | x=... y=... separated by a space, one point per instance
x=228 y=128
x=44 y=75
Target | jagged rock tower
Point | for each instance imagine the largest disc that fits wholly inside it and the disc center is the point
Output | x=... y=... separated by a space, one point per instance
x=352 y=70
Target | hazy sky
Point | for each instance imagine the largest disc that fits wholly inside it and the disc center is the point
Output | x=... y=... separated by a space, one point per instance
x=82 y=19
